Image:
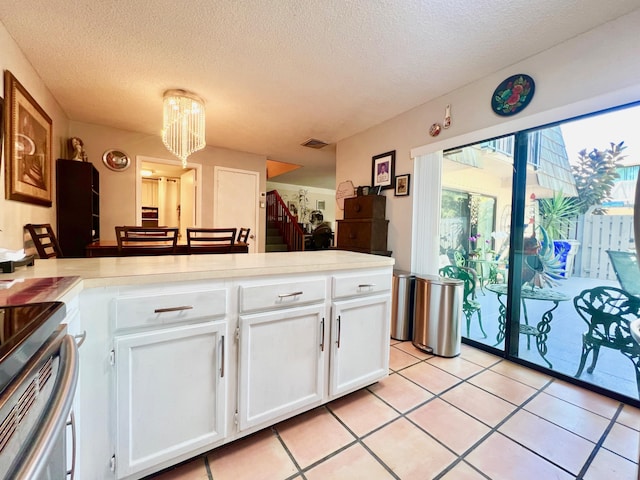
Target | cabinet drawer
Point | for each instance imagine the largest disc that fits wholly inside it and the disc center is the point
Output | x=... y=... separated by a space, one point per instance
x=162 y=307
x=363 y=234
x=361 y=284
x=367 y=206
x=280 y=295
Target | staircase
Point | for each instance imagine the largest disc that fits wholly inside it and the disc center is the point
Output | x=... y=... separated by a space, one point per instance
x=274 y=241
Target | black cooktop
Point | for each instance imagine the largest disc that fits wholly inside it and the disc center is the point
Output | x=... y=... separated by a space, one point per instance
x=23 y=330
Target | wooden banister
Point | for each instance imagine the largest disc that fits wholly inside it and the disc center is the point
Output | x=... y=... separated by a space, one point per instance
x=278 y=214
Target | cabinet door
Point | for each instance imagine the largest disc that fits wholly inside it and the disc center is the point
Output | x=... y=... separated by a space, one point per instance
x=359 y=343
x=281 y=363
x=170 y=392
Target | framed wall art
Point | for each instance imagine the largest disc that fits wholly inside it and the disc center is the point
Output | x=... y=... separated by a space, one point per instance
x=382 y=170
x=28 y=146
x=402 y=185
x=116 y=160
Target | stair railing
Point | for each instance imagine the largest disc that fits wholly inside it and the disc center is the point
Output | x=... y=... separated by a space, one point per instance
x=278 y=214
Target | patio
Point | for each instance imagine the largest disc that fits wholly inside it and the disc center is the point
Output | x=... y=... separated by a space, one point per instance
x=613 y=370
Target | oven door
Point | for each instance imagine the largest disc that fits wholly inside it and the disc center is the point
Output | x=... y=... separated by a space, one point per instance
x=34 y=409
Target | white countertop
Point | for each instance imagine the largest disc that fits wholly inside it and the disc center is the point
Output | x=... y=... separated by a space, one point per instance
x=111 y=271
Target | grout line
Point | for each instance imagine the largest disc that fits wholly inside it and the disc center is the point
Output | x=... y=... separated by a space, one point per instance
x=207 y=467
x=599 y=443
x=275 y=432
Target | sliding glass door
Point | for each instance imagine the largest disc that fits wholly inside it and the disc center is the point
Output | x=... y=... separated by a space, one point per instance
x=543 y=221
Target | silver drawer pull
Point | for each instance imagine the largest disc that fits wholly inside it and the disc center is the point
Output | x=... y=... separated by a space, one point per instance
x=367 y=285
x=173 y=309
x=293 y=294
x=80 y=338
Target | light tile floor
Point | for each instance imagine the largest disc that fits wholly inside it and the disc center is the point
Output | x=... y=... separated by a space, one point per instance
x=475 y=416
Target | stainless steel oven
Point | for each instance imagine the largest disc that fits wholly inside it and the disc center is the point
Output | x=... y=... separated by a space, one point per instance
x=38 y=376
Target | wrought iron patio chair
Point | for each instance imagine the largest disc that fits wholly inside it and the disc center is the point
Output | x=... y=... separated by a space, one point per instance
x=469 y=305
x=608 y=311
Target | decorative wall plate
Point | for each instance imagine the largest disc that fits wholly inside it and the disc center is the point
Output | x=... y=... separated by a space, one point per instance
x=116 y=160
x=513 y=95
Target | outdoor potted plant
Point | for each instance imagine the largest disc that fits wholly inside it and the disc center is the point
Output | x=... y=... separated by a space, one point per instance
x=558 y=215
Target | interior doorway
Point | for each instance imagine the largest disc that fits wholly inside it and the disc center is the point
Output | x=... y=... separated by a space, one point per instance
x=168 y=194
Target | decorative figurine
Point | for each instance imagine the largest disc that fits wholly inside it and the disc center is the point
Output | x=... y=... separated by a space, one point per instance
x=76 y=146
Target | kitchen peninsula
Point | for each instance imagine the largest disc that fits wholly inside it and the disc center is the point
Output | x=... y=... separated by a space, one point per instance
x=186 y=353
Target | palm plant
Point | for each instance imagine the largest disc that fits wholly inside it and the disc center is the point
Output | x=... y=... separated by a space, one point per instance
x=558 y=215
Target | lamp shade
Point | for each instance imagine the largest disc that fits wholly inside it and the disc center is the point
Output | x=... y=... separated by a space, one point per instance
x=183 y=123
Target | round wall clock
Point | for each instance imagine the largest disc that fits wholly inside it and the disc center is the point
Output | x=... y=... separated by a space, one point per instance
x=116 y=160
x=513 y=95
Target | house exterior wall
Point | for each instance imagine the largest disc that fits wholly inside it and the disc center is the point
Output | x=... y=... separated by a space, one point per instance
x=593 y=71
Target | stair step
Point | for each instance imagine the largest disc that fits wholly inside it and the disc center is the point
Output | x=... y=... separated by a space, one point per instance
x=276 y=247
x=273 y=240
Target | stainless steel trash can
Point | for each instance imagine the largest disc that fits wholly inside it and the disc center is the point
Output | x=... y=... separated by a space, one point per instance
x=403 y=287
x=438 y=315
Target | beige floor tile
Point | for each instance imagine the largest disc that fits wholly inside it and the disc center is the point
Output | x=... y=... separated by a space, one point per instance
x=500 y=458
x=403 y=447
x=575 y=419
x=454 y=428
x=522 y=374
x=393 y=341
x=194 y=470
x=623 y=441
x=313 y=435
x=457 y=366
x=608 y=465
x=409 y=348
x=362 y=411
x=583 y=398
x=400 y=393
x=353 y=463
x=504 y=387
x=478 y=356
x=399 y=359
x=630 y=416
x=268 y=459
x=567 y=449
x=430 y=377
x=463 y=471
x=479 y=404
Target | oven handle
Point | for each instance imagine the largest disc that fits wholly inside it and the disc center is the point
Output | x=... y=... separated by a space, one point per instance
x=40 y=444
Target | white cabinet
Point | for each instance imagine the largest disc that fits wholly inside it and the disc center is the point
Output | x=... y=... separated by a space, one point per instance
x=281 y=363
x=359 y=343
x=170 y=393
x=360 y=330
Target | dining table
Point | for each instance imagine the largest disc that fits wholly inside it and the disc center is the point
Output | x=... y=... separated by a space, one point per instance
x=540 y=331
x=109 y=248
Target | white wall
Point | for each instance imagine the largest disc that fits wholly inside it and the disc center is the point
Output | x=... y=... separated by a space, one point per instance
x=14 y=215
x=596 y=70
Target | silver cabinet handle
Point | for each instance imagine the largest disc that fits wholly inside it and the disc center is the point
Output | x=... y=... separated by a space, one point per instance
x=80 y=338
x=173 y=309
x=222 y=360
x=322 y=335
x=293 y=294
x=338 y=341
x=366 y=285
x=72 y=423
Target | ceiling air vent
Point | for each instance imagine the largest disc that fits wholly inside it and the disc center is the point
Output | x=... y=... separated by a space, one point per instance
x=314 y=143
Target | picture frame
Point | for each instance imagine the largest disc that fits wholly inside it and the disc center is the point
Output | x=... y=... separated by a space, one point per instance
x=321 y=205
x=402 y=185
x=382 y=170
x=28 y=152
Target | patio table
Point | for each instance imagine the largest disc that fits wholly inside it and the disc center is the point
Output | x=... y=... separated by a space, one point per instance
x=541 y=330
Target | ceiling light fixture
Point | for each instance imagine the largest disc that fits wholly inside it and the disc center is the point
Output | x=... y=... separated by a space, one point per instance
x=183 y=124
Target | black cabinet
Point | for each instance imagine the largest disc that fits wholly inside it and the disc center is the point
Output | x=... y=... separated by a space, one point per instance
x=78 y=206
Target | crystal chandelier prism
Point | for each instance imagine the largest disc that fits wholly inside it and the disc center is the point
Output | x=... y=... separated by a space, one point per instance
x=183 y=123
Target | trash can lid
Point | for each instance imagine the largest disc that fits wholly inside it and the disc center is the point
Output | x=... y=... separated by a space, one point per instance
x=438 y=280
x=402 y=273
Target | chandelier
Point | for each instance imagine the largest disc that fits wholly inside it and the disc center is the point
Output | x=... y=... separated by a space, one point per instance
x=183 y=123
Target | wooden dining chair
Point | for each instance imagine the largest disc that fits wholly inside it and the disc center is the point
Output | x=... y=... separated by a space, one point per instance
x=44 y=240
x=243 y=235
x=210 y=240
x=136 y=240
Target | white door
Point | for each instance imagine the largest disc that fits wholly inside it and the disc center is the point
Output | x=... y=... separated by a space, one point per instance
x=281 y=363
x=236 y=196
x=170 y=392
x=187 y=201
x=359 y=343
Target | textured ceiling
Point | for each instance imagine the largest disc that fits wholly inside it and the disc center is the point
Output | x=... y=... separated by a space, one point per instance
x=276 y=73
